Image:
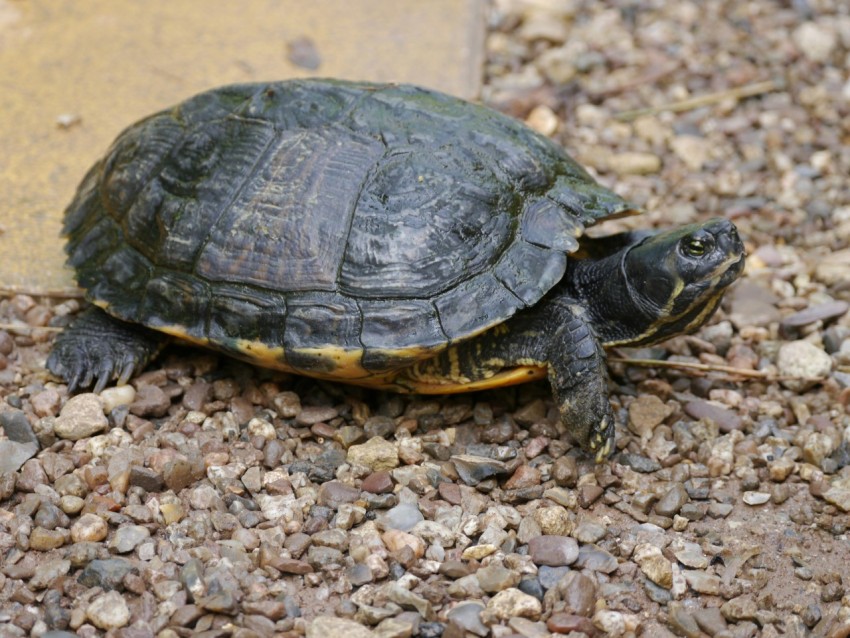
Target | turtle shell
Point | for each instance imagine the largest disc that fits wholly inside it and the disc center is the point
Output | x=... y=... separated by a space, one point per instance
x=331 y=228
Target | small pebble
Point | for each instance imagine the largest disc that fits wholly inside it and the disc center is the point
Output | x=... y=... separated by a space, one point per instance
x=553 y=551
x=756 y=498
x=128 y=537
x=804 y=362
x=402 y=517
x=654 y=565
x=108 y=611
x=725 y=419
x=117 y=396
x=377 y=483
x=89 y=527
x=377 y=453
x=81 y=417
x=495 y=578
x=512 y=603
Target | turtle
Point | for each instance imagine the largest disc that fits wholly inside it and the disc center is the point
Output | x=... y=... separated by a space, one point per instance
x=381 y=235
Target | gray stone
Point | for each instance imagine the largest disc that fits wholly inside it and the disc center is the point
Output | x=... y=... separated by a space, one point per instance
x=595 y=559
x=467 y=617
x=311 y=415
x=495 y=578
x=359 y=574
x=702 y=582
x=21 y=443
x=710 y=620
x=752 y=305
x=589 y=532
x=409 y=600
x=725 y=419
x=672 y=501
x=820 y=312
x=334 y=493
x=48 y=572
x=128 y=537
x=402 y=517
x=108 y=574
x=691 y=555
x=578 y=593
x=474 y=469
x=549 y=577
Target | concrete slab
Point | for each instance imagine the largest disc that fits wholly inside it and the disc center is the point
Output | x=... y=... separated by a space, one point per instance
x=74 y=74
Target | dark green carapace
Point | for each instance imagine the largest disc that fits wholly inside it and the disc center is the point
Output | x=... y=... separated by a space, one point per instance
x=382 y=235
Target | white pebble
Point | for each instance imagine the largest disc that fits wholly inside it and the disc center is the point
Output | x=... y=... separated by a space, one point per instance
x=108 y=611
x=119 y=395
x=756 y=498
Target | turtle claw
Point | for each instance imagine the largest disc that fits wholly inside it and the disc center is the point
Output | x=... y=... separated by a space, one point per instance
x=602 y=441
x=126 y=372
x=74 y=378
x=104 y=374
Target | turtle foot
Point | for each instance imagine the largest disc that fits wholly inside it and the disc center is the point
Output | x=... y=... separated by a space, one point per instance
x=98 y=349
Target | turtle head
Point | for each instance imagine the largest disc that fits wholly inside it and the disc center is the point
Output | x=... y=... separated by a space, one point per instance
x=675 y=280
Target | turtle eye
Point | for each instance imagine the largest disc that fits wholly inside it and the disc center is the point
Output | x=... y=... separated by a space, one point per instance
x=694 y=246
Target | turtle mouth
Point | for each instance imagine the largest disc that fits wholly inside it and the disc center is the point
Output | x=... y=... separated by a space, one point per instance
x=731 y=270
x=730 y=249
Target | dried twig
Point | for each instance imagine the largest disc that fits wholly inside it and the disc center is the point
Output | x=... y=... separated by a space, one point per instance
x=650 y=78
x=708 y=367
x=737 y=93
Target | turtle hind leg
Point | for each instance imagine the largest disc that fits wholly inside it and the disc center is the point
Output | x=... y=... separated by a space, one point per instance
x=99 y=348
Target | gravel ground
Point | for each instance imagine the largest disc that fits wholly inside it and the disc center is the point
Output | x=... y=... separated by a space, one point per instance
x=211 y=498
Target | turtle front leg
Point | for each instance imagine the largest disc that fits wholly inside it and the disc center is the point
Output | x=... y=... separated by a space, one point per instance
x=579 y=378
x=556 y=335
x=100 y=348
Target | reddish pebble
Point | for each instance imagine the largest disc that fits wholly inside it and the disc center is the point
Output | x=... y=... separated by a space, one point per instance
x=198 y=394
x=313 y=415
x=292 y=566
x=7 y=344
x=561 y=623
x=450 y=492
x=150 y=401
x=536 y=446
x=524 y=476
x=725 y=419
x=334 y=493
x=377 y=483
x=587 y=495
x=323 y=430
